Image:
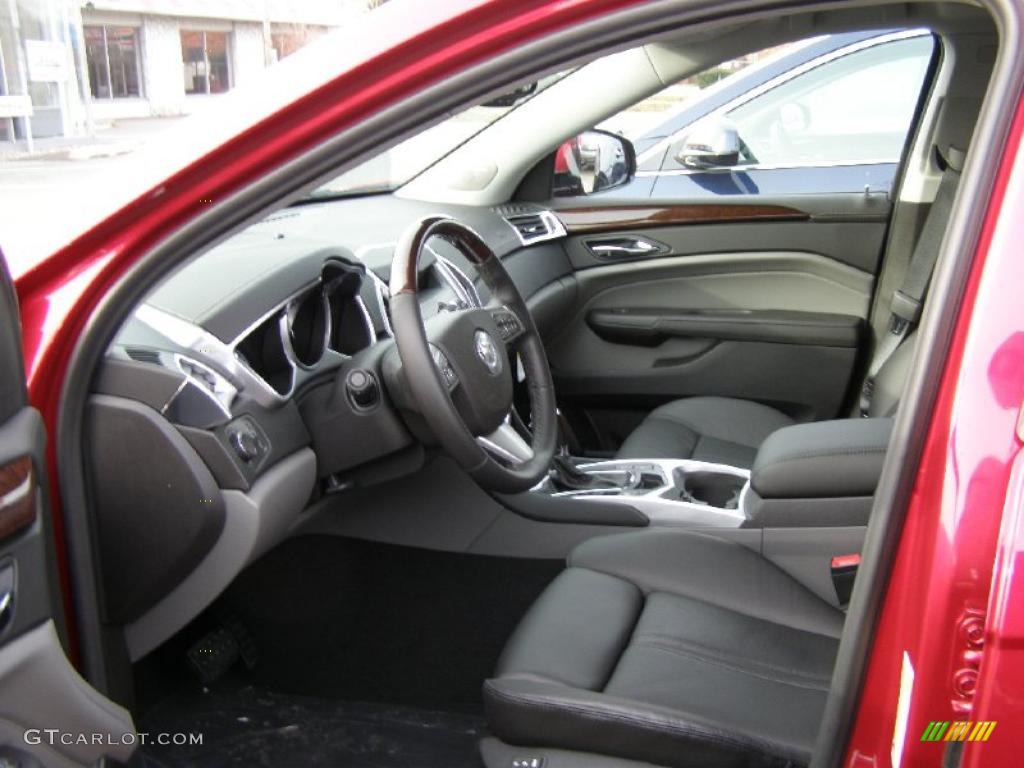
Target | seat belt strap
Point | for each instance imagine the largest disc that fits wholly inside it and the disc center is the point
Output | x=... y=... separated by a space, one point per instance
x=905 y=306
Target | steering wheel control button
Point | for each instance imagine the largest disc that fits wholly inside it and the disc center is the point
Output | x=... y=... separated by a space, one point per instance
x=508 y=324
x=444 y=367
x=487 y=352
x=362 y=389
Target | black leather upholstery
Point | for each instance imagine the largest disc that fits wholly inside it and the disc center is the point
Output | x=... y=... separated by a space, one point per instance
x=721 y=430
x=826 y=459
x=724 y=430
x=671 y=647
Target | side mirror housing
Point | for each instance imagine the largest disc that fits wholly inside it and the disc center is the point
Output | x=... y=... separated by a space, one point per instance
x=712 y=145
x=593 y=162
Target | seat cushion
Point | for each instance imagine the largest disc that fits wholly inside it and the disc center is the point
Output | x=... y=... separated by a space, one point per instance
x=705 y=654
x=720 y=430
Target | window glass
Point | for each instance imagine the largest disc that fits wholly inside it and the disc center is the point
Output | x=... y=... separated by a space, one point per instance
x=205 y=59
x=96 y=58
x=217 y=55
x=112 y=56
x=193 y=56
x=852 y=110
x=122 y=53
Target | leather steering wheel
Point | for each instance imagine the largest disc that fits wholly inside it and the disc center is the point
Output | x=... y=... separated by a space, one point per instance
x=457 y=368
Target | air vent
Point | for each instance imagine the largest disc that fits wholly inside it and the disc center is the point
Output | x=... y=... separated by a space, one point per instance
x=532 y=225
x=143 y=355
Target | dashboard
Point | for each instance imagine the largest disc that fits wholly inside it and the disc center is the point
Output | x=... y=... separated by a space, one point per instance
x=251 y=382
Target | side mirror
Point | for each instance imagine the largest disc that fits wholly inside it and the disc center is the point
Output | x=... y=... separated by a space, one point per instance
x=593 y=162
x=711 y=145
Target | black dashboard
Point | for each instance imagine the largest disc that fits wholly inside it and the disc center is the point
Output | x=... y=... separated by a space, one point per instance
x=267 y=351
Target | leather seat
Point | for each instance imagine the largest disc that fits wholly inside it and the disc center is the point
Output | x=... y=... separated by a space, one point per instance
x=720 y=430
x=724 y=430
x=671 y=647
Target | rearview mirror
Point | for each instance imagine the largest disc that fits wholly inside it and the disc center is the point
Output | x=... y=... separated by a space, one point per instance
x=593 y=162
x=715 y=144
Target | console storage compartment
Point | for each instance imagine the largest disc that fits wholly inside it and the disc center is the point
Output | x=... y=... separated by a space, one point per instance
x=716 y=489
x=817 y=475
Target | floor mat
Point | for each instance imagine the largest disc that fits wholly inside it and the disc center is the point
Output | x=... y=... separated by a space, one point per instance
x=355 y=620
x=247 y=725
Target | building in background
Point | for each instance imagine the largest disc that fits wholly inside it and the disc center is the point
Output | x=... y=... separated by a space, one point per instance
x=66 y=65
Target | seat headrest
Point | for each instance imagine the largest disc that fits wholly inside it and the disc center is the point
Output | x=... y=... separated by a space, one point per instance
x=954 y=128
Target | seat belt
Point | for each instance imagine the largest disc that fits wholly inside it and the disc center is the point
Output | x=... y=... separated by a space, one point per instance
x=905 y=305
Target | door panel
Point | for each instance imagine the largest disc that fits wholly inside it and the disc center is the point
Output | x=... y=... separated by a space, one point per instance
x=719 y=301
x=752 y=281
x=39 y=688
x=781 y=328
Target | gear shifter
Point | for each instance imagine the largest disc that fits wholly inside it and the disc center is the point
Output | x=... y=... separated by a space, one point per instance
x=565 y=476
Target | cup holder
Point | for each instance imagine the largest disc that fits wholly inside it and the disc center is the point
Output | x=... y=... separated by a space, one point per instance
x=714 y=489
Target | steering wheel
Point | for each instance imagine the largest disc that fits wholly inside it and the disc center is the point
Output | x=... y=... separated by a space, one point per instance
x=456 y=364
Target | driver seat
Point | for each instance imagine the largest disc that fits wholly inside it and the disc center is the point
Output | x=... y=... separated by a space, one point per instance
x=670 y=647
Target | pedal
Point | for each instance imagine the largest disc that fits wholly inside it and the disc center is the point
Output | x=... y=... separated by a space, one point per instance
x=214 y=655
x=218 y=651
x=246 y=645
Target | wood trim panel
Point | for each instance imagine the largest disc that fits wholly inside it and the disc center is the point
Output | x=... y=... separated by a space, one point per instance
x=17 y=496
x=580 y=221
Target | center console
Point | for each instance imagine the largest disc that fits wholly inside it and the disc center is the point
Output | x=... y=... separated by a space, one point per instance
x=819 y=475
x=667 y=491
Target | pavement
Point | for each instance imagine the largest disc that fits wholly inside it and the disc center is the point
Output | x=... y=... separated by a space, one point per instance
x=44 y=194
x=109 y=138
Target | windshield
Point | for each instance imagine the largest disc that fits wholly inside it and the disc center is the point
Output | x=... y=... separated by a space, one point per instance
x=104 y=103
x=403 y=162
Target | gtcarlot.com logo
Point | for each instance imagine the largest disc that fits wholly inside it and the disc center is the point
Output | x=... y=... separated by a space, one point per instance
x=54 y=737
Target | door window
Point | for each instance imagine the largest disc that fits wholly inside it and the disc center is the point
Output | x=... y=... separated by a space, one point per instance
x=853 y=110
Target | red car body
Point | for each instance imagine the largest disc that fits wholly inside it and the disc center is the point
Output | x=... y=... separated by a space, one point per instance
x=955 y=601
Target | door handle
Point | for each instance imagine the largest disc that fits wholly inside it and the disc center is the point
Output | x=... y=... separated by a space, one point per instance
x=624 y=247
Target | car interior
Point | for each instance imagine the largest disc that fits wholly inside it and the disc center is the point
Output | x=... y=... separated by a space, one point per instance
x=469 y=473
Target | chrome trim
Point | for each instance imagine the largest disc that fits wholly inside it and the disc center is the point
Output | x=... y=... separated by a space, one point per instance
x=762 y=167
x=199 y=344
x=223 y=393
x=507 y=444
x=554 y=226
x=271 y=312
x=466 y=280
x=201 y=348
x=367 y=320
x=286 y=320
x=464 y=289
x=383 y=296
x=655 y=504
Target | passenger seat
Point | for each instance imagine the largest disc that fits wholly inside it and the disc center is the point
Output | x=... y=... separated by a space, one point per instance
x=724 y=430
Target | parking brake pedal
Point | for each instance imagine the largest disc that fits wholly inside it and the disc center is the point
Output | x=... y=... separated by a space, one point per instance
x=218 y=651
